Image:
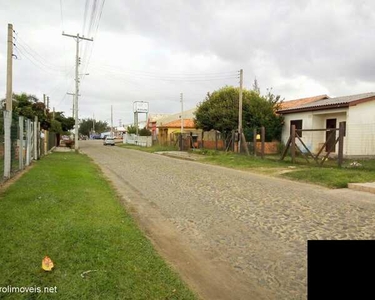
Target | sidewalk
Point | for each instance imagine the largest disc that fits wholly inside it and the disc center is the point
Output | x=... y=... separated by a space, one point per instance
x=363 y=187
x=181 y=155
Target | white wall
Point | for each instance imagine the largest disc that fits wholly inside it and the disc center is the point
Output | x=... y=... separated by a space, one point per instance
x=313 y=120
x=361 y=129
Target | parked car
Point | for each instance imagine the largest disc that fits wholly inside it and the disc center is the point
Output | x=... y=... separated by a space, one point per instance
x=109 y=141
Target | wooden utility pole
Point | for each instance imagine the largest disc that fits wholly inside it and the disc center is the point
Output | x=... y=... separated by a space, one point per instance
x=78 y=38
x=240 y=113
x=263 y=139
x=182 y=120
x=9 y=92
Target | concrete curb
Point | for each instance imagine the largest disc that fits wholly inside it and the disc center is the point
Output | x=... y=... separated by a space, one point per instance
x=368 y=187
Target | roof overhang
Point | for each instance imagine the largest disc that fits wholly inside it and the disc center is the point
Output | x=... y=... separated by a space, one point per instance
x=313 y=108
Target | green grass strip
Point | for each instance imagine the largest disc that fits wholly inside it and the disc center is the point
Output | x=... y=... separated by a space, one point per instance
x=64 y=208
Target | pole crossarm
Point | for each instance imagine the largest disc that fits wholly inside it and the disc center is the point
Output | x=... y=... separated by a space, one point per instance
x=77 y=36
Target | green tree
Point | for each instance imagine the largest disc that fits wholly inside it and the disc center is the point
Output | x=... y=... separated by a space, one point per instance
x=86 y=126
x=131 y=129
x=219 y=111
x=56 y=126
x=67 y=123
x=144 y=132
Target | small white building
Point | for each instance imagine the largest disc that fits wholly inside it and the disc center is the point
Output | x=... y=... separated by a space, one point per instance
x=357 y=111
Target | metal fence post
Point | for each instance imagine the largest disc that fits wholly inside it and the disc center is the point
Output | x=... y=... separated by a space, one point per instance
x=36 y=138
x=28 y=142
x=7 y=143
x=20 y=147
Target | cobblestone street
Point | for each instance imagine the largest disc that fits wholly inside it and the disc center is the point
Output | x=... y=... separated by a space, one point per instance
x=257 y=225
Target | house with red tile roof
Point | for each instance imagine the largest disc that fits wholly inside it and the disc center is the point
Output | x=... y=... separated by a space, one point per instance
x=356 y=111
x=298 y=102
x=169 y=127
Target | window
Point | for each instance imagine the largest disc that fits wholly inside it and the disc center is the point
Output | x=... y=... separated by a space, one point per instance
x=298 y=124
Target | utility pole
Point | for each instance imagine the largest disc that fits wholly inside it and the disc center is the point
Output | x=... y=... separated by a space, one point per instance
x=8 y=103
x=53 y=114
x=78 y=38
x=9 y=93
x=44 y=102
x=240 y=113
x=182 y=112
x=111 y=120
x=72 y=94
x=48 y=102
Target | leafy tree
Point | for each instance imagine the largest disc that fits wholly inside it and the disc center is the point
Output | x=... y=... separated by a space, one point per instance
x=219 y=111
x=131 y=129
x=67 y=123
x=29 y=106
x=56 y=126
x=85 y=126
x=144 y=132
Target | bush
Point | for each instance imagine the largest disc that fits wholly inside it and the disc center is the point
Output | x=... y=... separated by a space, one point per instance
x=69 y=144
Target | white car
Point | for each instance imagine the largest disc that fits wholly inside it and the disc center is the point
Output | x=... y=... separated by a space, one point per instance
x=109 y=141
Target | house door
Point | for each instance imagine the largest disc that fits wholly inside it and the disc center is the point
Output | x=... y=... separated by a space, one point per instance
x=331 y=123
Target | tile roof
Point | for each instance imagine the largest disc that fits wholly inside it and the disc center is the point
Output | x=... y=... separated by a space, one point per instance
x=188 y=114
x=188 y=123
x=298 y=102
x=344 y=101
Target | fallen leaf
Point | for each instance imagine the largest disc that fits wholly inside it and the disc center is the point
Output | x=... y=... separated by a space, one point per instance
x=47 y=264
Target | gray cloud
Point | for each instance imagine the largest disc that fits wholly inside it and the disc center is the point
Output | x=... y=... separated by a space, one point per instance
x=300 y=48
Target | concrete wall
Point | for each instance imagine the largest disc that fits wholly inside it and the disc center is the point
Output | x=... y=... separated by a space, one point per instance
x=132 y=139
x=361 y=129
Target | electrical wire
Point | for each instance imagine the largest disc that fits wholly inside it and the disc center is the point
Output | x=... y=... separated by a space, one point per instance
x=201 y=77
x=86 y=62
x=85 y=17
x=35 y=55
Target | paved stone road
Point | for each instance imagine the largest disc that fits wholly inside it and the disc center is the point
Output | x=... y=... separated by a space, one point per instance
x=257 y=224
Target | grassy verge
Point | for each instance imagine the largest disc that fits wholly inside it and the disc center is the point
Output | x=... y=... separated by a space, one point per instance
x=329 y=175
x=152 y=149
x=65 y=209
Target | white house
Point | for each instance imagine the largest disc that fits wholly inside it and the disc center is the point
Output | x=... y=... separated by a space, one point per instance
x=357 y=111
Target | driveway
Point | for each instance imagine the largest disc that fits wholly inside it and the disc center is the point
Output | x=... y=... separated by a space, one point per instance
x=232 y=234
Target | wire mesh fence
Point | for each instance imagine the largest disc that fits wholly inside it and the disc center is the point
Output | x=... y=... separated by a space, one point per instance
x=21 y=142
x=1 y=144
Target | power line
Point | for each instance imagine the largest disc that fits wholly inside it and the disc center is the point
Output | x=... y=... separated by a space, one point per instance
x=202 y=77
x=85 y=17
x=177 y=75
x=87 y=61
x=35 y=55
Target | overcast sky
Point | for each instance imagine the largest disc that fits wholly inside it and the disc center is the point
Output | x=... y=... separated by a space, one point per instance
x=154 y=50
